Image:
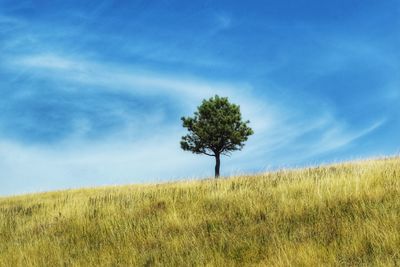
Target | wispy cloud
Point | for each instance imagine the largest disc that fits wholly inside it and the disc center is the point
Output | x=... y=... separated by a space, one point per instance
x=116 y=159
x=92 y=93
x=136 y=81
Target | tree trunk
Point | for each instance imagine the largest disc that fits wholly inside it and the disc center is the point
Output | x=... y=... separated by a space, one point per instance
x=217 y=165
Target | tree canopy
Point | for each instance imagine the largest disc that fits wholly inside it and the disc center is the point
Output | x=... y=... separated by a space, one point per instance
x=215 y=129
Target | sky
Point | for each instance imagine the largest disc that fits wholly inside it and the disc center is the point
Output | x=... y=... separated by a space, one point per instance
x=92 y=92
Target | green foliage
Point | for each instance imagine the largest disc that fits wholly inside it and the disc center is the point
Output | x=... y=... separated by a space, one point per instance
x=216 y=128
x=341 y=215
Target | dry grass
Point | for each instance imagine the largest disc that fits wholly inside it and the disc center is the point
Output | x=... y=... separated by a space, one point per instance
x=347 y=214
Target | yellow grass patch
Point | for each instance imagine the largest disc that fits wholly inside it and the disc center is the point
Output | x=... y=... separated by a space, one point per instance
x=345 y=214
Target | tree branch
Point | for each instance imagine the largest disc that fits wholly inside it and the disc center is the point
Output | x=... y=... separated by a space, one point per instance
x=205 y=153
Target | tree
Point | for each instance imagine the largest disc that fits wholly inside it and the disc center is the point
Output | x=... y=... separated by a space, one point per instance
x=216 y=129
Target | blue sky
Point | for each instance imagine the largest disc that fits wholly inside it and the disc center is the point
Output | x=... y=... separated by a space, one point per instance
x=91 y=92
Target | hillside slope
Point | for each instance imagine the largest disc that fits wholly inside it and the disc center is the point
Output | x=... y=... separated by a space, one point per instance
x=347 y=214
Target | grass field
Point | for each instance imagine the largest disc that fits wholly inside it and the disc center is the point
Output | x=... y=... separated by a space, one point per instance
x=346 y=214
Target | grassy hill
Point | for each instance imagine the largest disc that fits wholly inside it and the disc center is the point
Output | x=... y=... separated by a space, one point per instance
x=347 y=214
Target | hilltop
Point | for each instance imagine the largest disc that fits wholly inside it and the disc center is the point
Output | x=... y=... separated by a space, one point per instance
x=344 y=214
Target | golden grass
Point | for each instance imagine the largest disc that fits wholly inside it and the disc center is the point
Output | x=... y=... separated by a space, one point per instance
x=345 y=214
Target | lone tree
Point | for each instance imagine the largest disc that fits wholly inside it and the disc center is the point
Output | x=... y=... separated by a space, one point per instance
x=216 y=129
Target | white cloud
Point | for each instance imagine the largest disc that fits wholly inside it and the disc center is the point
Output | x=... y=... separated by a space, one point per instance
x=337 y=137
x=49 y=61
x=117 y=159
x=113 y=161
x=130 y=79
